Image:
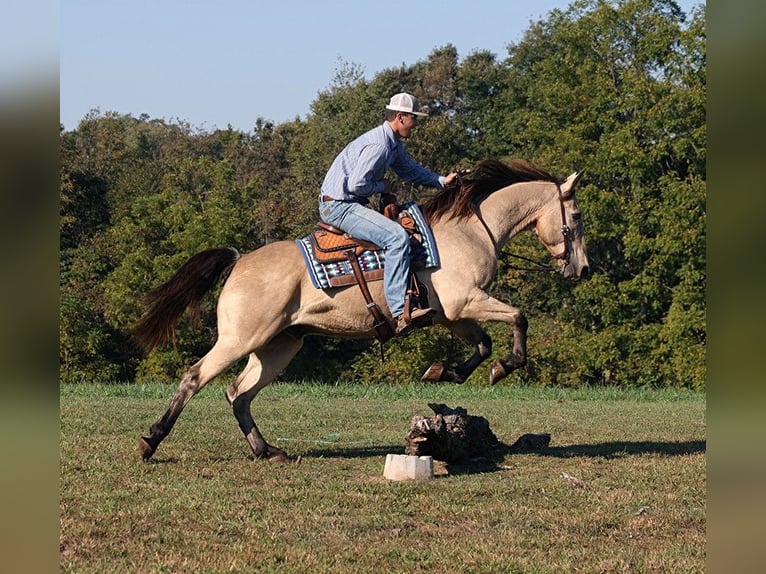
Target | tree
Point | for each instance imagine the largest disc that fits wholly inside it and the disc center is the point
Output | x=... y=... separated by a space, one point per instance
x=615 y=87
x=619 y=88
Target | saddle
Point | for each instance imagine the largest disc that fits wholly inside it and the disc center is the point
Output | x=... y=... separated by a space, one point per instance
x=331 y=244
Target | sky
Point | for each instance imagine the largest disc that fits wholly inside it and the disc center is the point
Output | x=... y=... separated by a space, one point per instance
x=230 y=62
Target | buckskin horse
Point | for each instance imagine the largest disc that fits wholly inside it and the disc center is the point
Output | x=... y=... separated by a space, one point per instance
x=268 y=303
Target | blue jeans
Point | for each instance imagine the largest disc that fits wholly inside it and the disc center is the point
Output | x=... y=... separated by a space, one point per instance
x=365 y=223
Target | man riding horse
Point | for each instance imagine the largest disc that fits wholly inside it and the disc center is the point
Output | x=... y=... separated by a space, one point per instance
x=269 y=302
x=356 y=174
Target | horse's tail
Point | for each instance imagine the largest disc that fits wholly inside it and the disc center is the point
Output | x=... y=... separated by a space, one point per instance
x=185 y=289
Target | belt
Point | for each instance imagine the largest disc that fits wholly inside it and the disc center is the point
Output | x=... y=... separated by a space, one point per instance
x=361 y=200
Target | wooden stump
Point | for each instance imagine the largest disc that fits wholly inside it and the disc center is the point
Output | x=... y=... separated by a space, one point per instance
x=452 y=435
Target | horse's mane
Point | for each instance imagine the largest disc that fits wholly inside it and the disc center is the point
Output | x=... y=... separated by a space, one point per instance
x=488 y=176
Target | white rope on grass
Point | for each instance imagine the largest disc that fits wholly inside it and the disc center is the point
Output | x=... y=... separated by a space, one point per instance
x=333 y=435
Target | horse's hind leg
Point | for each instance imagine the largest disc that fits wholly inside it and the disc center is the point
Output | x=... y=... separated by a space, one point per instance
x=262 y=368
x=206 y=369
x=472 y=333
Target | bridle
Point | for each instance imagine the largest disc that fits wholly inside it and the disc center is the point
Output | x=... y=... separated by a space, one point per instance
x=539 y=266
x=565 y=229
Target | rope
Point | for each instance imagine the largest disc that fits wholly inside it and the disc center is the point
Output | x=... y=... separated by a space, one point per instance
x=320 y=441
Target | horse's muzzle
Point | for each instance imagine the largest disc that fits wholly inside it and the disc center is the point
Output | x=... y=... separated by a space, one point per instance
x=571 y=272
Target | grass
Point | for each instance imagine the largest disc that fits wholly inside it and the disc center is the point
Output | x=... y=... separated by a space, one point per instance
x=201 y=505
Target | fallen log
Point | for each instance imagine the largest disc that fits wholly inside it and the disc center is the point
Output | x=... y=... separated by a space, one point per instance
x=453 y=435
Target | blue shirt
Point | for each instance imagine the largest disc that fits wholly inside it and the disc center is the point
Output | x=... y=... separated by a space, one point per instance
x=359 y=169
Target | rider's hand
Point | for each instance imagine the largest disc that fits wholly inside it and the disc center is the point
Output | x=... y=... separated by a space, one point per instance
x=451 y=179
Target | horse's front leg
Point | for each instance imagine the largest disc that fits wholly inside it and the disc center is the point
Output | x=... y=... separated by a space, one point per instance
x=482 y=307
x=518 y=357
x=470 y=332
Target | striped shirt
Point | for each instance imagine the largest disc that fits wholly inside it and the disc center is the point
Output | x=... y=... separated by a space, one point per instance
x=359 y=169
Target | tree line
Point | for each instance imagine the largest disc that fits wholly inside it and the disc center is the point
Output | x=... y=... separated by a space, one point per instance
x=615 y=88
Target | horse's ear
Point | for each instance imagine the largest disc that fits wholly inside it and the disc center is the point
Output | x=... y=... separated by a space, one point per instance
x=568 y=187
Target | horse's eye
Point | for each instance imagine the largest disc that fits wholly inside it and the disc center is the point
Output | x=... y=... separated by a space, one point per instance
x=577 y=216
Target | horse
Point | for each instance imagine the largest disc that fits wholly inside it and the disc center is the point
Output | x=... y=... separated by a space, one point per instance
x=267 y=303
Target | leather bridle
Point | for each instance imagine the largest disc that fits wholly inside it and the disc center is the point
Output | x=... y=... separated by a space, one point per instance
x=566 y=231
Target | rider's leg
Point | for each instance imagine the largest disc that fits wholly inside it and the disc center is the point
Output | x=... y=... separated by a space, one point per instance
x=365 y=223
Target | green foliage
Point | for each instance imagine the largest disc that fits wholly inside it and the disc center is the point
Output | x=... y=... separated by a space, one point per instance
x=616 y=88
x=405 y=359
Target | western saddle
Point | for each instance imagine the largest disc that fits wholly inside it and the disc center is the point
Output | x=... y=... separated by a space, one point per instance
x=332 y=244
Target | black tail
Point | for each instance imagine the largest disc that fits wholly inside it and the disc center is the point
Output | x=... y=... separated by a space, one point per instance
x=184 y=290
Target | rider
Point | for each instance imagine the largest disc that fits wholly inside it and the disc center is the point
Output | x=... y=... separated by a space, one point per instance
x=356 y=174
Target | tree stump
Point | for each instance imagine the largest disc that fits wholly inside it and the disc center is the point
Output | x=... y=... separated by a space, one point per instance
x=452 y=435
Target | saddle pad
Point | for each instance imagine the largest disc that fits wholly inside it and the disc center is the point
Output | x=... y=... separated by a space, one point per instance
x=326 y=275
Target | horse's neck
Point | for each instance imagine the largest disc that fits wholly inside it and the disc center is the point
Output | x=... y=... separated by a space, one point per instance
x=513 y=209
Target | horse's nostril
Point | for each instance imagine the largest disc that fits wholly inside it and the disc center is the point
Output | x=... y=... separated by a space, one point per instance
x=584 y=272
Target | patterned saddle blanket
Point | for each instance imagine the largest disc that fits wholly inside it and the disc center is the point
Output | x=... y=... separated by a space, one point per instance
x=325 y=252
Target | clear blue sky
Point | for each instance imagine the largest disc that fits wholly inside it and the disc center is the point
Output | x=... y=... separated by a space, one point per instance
x=228 y=62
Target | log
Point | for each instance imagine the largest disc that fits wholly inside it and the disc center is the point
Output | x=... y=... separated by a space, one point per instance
x=453 y=435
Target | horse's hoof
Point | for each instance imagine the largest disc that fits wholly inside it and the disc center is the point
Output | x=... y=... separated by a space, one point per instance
x=433 y=373
x=273 y=454
x=146 y=449
x=280 y=456
x=496 y=372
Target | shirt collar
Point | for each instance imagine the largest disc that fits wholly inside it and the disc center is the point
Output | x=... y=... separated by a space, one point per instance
x=393 y=140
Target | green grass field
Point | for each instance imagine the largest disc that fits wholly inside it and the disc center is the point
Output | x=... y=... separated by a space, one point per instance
x=202 y=504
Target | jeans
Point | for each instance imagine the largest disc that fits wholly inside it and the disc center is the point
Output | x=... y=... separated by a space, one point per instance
x=365 y=223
